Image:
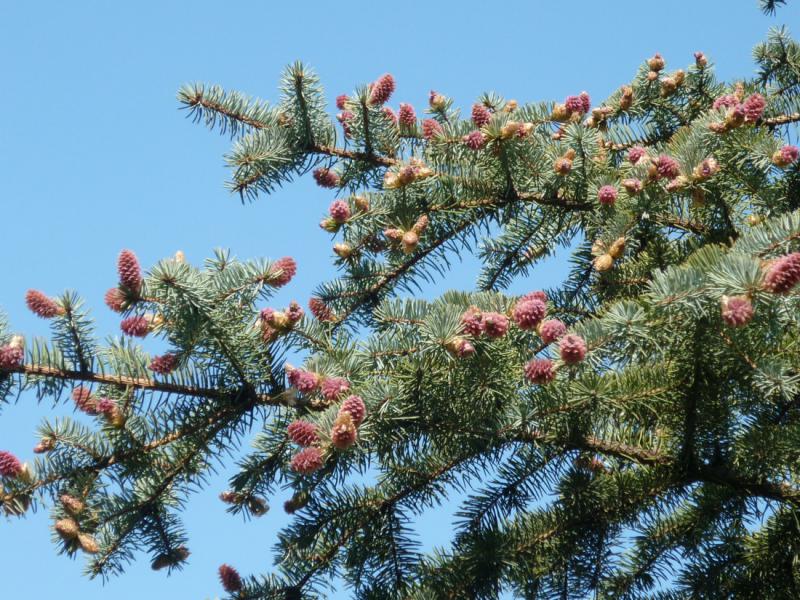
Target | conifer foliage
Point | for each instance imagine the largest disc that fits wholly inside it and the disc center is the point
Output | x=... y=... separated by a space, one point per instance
x=633 y=432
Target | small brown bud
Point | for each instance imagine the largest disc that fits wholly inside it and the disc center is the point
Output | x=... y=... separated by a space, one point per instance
x=410 y=242
x=67 y=528
x=344 y=250
x=617 y=249
x=72 y=505
x=45 y=445
x=652 y=76
x=421 y=225
x=88 y=543
x=393 y=234
x=656 y=62
x=257 y=506
x=626 y=99
x=361 y=203
x=604 y=262
x=329 y=225
x=560 y=113
x=510 y=106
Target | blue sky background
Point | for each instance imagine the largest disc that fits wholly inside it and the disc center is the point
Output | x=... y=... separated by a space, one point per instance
x=95 y=157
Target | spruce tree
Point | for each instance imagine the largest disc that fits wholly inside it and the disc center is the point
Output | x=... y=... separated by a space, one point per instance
x=633 y=432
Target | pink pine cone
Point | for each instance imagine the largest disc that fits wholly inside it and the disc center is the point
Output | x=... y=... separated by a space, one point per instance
x=11 y=356
x=307 y=460
x=551 y=330
x=10 y=466
x=341 y=99
x=231 y=581
x=343 y=433
x=382 y=89
x=106 y=406
x=481 y=115
x=333 y=387
x=472 y=322
x=326 y=178
x=726 y=101
x=737 y=311
x=789 y=154
x=283 y=270
x=390 y=114
x=667 y=167
x=495 y=325
x=540 y=370
x=431 y=128
x=135 y=326
x=783 y=274
x=529 y=313
x=537 y=295
x=355 y=407
x=302 y=433
x=304 y=381
x=636 y=154
x=578 y=104
x=607 y=195
x=130 y=273
x=41 y=305
x=319 y=309
x=339 y=211
x=754 y=107
x=115 y=299
x=164 y=364
x=294 y=312
x=406 y=115
x=475 y=140
x=84 y=400
x=465 y=349
x=572 y=349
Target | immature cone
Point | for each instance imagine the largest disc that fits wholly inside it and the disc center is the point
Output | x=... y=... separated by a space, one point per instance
x=164 y=364
x=343 y=250
x=460 y=347
x=753 y=108
x=410 y=241
x=636 y=154
x=170 y=559
x=474 y=140
x=390 y=114
x=472 y=322
x=706 y=169
x=626 y=98
x=115 y=299
x=42 y=306
x=10 y=465
x=45 y=445
x=540 y=371
x=551 y=330
x=632 y=186
x=333 y=387
x=783 y=274
x=361 y=203
x=529 y=313
x=786 y=156
x=421 y=224
x=481 y=115
x=11 y=356
x=382 y=89
x=562 y=166
x=667 y=167
x=603 y=263
x=305 y=381
x=437 y=101
x=130 y=273
x=302 y=433
x=341 y=100
x=617 y=249
x=326 y=178
x=319 y=309
x=572 y=349
x=307 y=460
x=339 y=211
x=88 y=544
x=736 y=311
x=406 y=115
x=607 y=195
x=231 y=581
x=656 y=63
x=578 y=104
x=296 y=502
x=136 y=326
x=495 y=325
x=700 y=59
x=343 y=433
x=355 y=407
x=283 y=270
x=67 y=529
x=431 y=128
x=71 y=504
x=84 y=400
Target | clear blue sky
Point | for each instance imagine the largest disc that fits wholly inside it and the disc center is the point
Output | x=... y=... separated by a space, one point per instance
x=94 y=157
